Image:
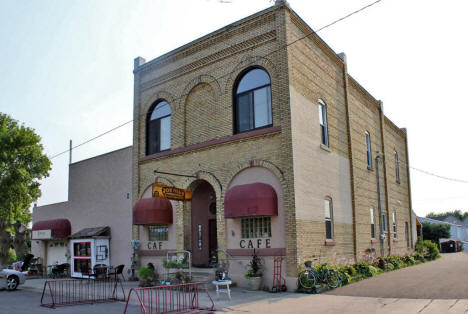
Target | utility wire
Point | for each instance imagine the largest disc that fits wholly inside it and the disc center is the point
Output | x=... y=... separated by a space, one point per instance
x=222 y=76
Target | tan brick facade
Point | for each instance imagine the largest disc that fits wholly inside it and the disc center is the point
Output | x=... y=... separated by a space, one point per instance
x=197 y=80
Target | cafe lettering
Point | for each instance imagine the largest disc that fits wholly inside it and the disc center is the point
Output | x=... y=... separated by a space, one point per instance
x=255 y=244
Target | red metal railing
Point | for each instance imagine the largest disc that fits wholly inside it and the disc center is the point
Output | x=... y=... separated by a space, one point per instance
x=81 y=291
x=170 y=299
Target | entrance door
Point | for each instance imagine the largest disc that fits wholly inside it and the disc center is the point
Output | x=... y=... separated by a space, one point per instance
x=203 y=236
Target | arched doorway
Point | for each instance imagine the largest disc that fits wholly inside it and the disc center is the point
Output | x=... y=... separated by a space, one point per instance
x=204 y=233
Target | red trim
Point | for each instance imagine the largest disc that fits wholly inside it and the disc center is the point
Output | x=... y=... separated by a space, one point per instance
x=330 y=243
x=153 y=252
x=82 y=256
x=373 y=240
x=260 y=252
x=218 y=141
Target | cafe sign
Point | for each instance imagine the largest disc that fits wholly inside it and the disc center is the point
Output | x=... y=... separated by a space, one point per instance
x=42 y=234
x=171 y=192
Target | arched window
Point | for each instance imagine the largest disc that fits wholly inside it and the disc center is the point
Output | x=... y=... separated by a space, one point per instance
x=253 y=101
x=158 y=128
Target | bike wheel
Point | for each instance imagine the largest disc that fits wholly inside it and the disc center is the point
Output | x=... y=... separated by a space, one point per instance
x=307 y=280
x=333 y=280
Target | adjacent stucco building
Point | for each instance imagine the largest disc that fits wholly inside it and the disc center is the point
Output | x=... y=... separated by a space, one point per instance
x=95 y=220
x=281 y=149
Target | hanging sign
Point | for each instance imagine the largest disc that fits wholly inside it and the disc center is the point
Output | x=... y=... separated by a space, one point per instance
x=171 y=192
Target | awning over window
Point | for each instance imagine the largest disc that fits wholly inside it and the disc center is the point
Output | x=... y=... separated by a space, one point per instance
x=256 y=199
x=151 y=211
x=51 y=229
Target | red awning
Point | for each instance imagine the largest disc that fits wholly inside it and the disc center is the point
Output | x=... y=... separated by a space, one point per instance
x=150 y=211
x=59 y=228
x=256 y=199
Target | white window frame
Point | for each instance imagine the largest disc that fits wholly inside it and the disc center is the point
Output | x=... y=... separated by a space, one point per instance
x=323 y=120
x=329 y=218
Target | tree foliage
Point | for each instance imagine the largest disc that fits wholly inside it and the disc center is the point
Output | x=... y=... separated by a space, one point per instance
x=22 y=165
x=457 y=213
x=434 y=232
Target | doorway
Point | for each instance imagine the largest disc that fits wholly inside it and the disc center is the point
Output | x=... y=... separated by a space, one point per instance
x=204 y=235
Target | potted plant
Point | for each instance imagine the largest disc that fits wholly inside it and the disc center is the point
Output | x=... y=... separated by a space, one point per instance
x=254 y=273
x=147 y=276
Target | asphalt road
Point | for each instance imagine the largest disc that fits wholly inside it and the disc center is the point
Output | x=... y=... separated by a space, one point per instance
x=445 y=278
x=23 y=301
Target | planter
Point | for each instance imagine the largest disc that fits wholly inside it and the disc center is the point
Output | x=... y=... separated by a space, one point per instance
x=254 y=283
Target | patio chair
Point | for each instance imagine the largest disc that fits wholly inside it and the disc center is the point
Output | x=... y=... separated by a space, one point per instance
x=118 y=271
x=60 y=270
x=100 y=271
x=85 y=271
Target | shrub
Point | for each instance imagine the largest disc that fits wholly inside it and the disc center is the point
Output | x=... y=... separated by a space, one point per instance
x=428 y=248
x=343 y=274
x=409 y=260
x=144 y=273
x=418 y=257
x=351 y=271
x=255 y=266
x=390 y=267
x=365 y=269
x=396 y=261
x=12 y=256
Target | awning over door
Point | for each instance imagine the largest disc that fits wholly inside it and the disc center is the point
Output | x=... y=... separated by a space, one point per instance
x=51 y=229
x=256 y=199
x=151 y=211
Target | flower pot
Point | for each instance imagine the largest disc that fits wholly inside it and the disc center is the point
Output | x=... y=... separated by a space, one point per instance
x=254 y=283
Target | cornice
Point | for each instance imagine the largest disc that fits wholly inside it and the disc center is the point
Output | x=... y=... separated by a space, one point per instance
x=215 y=57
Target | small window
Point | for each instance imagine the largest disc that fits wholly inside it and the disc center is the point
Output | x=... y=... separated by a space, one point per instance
x=256 y=227
x=384 y=223
x=158 y=128
x=158 y=233
x=372 y=223
x=407 y=234
x=323 y=122
x=328 y=219
x=369 y=152
x=397 y=168
x=253 y=101
x=394 y=225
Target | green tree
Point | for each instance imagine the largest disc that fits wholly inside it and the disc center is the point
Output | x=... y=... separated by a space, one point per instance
x=457 y=213
x=434 y=232
x=22 y=165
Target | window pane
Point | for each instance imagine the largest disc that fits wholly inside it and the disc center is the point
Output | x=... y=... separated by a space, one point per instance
x=371 y=210
x=328 y=229
x=320 y=114
x=327 y=209
x=165 y=133
x=368 y=147
x=262 y=107
x=244 y=112
x=152 y=138
x=384 y=222
x=253 y=79
x=372 y=231
x=258 y=227
x=162 y=109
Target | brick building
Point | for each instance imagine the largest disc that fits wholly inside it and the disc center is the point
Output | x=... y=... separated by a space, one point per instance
x=282 y=150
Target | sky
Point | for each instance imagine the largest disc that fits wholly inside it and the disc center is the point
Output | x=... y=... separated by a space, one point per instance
x=66 y=71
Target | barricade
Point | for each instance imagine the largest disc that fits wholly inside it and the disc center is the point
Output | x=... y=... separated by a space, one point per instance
x=81 y=291
x=180 y=298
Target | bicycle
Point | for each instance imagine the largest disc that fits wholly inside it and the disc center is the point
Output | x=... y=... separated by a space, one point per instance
x=309 y=277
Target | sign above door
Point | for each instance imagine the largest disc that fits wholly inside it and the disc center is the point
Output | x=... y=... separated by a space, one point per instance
x=171 y=192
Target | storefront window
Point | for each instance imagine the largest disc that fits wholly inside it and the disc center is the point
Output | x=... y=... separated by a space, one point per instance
x=82 y=265
x=158 y=233
x=82 y=249
x=258 y=227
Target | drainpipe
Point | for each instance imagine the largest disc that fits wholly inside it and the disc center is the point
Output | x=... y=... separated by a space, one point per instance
x=381 y=222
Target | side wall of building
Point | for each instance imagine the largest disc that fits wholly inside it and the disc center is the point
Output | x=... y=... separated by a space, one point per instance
x=99 y=195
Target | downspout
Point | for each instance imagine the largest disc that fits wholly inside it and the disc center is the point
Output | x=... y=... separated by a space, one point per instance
x=384 y=170
x=379 y=201
x=350 y=150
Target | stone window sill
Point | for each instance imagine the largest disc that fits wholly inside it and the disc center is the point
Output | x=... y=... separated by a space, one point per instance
x=370 y=168
x=325 y=148
x=330 y=243
x=373 y=241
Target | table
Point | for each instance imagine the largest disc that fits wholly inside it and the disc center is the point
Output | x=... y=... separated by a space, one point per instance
x=226 y=283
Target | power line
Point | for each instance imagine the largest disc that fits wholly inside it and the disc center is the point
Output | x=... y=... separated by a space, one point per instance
x=439 y=176
x=229 y=73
